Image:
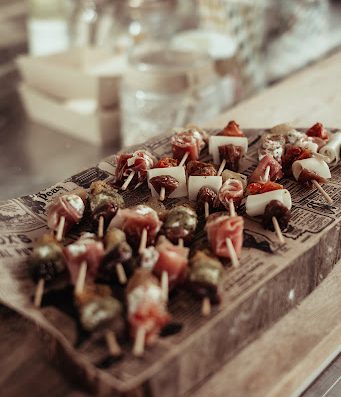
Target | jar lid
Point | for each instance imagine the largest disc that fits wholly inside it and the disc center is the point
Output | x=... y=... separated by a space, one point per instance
x=158 y=67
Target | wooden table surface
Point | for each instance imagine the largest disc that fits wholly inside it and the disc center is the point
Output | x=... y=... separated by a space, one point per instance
x=284 y=360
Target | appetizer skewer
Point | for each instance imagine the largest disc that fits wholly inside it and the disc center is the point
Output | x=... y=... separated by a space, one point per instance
x=205 y=279
x=228 y=147
x=147 y=313
x=187 y=144
x=47 y=263
x=168 y=262
x=167 y=179
x=66 y=211
x=104 y=203
x=180 y=224
x=117 y=256
x=100 y=312
x=132 y=168
x=203 y=179
x=140 y=224
x=83 y=258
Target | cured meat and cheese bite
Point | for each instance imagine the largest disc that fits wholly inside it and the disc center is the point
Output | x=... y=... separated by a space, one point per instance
x=98 y=310
x=66 y=211
x=167 y=179
x=47 y=260
x=136 y=221
x=260 y=195
x=231 y=190
x=169 y=258
x=86 y=250
x=147 y=312
x=201 y=175
x=104 y=202
x=220 y=228
x=205 y=277
x=101 y=314
x=131 y=169
x=228 y=146
x=332 y=149
x=187 y=144
x=311 y=169
x=116 y=263
x=274 y=170
x=180 y=224
x=46 y=263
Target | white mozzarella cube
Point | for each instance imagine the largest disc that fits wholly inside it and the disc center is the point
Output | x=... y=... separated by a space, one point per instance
x=313 y=164
x=176 y=172
x=256 y=203
x=195 y=183
x=218 y=140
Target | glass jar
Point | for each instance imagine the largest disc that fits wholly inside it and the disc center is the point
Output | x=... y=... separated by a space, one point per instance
x=136 y=21
x=165 y=88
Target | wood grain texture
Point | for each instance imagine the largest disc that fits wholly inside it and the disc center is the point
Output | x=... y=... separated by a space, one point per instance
x=285 y=359
x=313 y=94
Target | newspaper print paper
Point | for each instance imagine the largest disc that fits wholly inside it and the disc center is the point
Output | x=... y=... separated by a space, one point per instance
x=22 y=220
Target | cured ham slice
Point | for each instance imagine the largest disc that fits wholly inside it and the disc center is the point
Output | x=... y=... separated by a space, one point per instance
x=189 y=141
x=132 y=221
x=138 y=162
x=71 y=206
x=318 y=131
x=232 y=129
x=219 y=228
x=146 y=307
x=292 y=154
x=233 y=190
x=258 y=188
x=172 y=259
x=228 y=174
x=85 y=249
x=259 y=172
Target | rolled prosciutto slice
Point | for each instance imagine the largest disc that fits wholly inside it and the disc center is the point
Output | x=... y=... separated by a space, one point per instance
x=133 y=220
x=85 y=249
x=71 y=206
x=146 y=306
x=318 y=131
x=259 y=172
x=138 y=162
x=232 y=189
x=172 y=259
x=219 y=228
x=190 y=141
x=232 y=129
x=293 y=153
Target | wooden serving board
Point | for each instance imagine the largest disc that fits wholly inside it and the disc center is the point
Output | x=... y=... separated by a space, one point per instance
x=270 y=281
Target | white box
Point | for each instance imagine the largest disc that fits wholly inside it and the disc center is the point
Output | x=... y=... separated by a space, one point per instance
x=97 y=127
x=78 y=73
